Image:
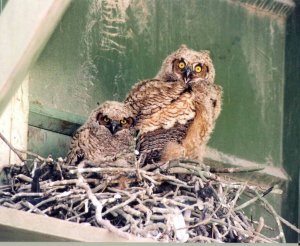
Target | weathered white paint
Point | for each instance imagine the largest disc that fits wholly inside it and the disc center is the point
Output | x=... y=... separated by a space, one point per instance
x=14 y=125
x=25 y=27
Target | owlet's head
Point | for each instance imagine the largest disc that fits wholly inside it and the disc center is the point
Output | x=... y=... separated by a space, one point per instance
x=187 y=65
x=115 y=116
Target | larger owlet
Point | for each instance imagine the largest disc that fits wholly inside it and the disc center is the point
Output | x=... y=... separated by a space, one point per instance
x=107 y=135
x=176 y=111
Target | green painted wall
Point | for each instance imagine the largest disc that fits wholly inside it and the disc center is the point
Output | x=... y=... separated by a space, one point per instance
x=48 y=143
x=101 y=48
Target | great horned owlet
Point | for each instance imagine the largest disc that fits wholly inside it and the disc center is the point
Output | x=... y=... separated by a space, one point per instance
x=107 y=135
x=176 y=111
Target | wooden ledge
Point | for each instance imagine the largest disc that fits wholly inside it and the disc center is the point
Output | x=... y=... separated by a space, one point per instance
x=19 y=226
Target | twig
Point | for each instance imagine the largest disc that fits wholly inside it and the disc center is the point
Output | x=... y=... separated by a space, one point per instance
x=32 y=154
x=24 y=177
x=50 y=199
x=288 y=224
x=259 y=227
x=131 y=198
x=235 y=169
x=270 y=207
x=11 y=147
x=192 y=169
x=249 y=202
x=26 y=194
x=30 y=206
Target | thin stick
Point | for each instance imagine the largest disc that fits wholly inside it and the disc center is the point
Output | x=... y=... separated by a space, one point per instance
x=24 y=178
x=11 y=147
x=259 y=228
x=272 y=210
x=32 y=154
x=288 y=224
x=235 y=169
x=26 y=194
x=51 y=199
x=248 y=203
x=132 y=198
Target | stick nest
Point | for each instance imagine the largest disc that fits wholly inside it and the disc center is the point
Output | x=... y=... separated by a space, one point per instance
x=178 y=201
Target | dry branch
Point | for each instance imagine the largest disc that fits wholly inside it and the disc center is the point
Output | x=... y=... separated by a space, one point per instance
x=11 y=147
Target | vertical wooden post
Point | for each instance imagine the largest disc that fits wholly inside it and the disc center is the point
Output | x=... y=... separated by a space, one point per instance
x=25 y=28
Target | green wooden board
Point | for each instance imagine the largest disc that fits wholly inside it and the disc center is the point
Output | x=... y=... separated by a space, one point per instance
x=54 y=120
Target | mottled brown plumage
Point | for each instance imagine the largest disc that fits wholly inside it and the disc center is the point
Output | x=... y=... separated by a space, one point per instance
x=100 y=140
x=176 y=111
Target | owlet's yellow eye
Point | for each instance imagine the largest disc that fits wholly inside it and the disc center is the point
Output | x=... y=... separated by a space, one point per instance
x=106 y=120
x=198 y=69
x=181 y=65
x=123 y=122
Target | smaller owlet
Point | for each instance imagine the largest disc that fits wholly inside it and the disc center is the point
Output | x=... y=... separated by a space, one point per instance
x=107 y=135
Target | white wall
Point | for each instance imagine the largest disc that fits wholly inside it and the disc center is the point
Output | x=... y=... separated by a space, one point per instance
x=14 y=125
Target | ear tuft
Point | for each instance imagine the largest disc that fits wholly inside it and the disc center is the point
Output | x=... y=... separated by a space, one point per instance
x=98 y=116
x=183 y=46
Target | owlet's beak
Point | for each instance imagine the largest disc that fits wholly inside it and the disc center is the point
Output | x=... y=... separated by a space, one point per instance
x=187 y=75
x=114 y=127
